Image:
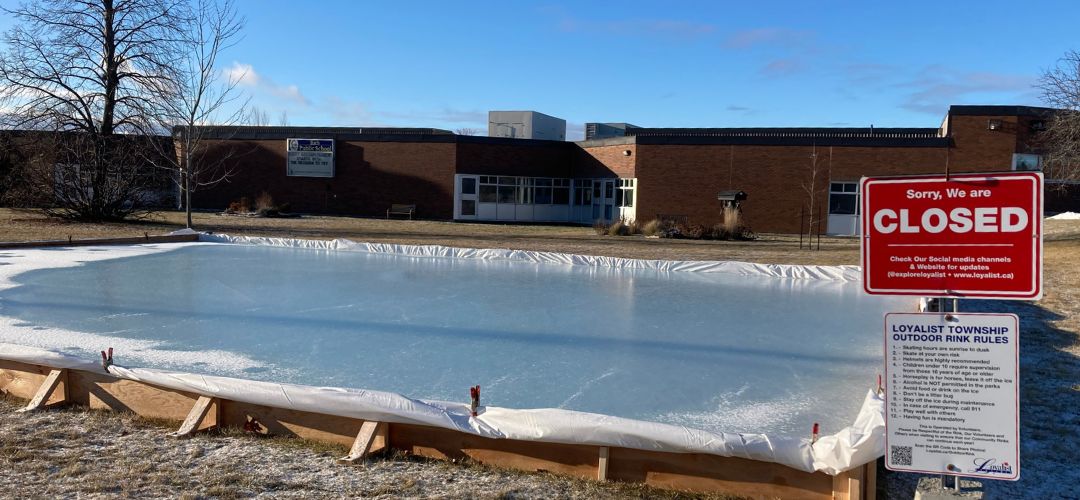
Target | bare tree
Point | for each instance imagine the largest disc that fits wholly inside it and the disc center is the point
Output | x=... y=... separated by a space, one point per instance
x=89 y=71
x=814 y=186
x=1060 y=86
x=468 y=131
x=283 y=119
x=198 y=101
x=256 y=117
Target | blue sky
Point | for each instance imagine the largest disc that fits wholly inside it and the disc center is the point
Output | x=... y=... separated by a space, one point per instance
x=689 y=64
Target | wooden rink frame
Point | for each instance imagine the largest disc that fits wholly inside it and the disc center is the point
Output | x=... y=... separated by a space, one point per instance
x=46 y=387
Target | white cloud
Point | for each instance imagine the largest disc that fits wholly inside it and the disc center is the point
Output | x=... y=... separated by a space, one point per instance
x=935 y=87
x=244 y=75
x=783 y=37
x=639 y=27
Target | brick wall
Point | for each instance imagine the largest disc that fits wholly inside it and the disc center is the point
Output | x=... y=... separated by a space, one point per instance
x=684 y=179
x=606 y=161
x=673 y=179
x=978 y=149
x=369 y=177
x=531 y=158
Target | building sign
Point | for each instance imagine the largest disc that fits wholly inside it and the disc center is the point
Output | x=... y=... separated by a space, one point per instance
x=970 y=235
x=310 y=157
x=952 y=402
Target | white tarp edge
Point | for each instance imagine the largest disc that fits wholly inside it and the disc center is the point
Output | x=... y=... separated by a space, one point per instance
x=831 y=273
x=832 y=454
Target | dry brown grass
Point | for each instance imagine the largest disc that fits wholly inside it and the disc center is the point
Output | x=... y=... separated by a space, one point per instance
x=75 y=452
x=31 y=225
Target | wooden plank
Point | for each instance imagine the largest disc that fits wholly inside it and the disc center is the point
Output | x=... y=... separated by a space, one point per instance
x=194 y=418
x=282 y=422
x=602 y=468
x=849 y=485
x=365 y=442
x=41 y=398
x=576 y=460
x=870 y=488
x=102 y=391
x=680 y=471
x=22 y=380
x=701 y=472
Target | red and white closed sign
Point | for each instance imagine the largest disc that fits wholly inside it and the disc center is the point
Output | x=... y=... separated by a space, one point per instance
x=970 y=235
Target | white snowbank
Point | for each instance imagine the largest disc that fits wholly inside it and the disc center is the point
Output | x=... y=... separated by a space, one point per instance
x=1065 y=216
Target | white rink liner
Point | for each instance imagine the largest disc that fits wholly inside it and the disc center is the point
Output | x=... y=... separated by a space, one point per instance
x=855 y=445
x=830 y=273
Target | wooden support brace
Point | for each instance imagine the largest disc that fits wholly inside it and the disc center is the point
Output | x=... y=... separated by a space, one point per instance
x=372 y=436
x=852 y=484
x=601 y=471
x=195 y=417
x=41 y=398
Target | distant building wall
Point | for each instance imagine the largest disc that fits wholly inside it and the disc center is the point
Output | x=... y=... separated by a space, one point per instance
x=677 y=171
x=595 y=131
x=485 y=156
x=526 y=125
x=369 y=177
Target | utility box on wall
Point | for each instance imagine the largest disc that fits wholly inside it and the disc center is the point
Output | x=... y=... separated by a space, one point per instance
x=526 y=125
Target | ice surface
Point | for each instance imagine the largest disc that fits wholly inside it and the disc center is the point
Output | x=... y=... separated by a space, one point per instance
x=714 y=351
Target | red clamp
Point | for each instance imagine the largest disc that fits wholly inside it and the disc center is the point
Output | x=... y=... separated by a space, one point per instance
x=814 y=434
x=106 y=359
x=474 y=392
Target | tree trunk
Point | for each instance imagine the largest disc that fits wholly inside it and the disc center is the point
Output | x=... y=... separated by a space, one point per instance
x=187 y=199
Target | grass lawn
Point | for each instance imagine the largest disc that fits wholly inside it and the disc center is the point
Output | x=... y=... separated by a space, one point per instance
x=29 y=225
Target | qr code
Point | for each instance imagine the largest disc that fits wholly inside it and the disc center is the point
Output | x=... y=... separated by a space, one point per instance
x=900 y=455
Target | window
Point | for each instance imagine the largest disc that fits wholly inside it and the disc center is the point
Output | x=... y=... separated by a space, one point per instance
x=583 y=192
x=1027 y=162
x=624 y=196
x=543 y=191
x=560 y=195
x=468 y=185
x=468 y=207
x=488 y=189
x=843 y=198
x=507 y=194
x=525 y=192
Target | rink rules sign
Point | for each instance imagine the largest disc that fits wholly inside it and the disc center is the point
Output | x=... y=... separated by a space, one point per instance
x=969 y=235
x=953 y=394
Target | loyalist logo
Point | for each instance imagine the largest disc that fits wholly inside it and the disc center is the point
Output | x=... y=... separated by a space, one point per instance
x=990 y=466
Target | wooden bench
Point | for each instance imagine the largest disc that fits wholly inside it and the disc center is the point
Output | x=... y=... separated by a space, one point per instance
x=397 y=209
